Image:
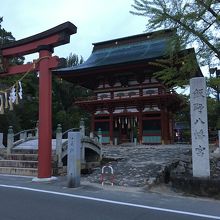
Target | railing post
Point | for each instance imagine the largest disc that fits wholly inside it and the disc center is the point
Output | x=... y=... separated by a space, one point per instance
x=82 y=127
x=36 y=130
x=59 y=145
x=23 y=135
x=82 y=133
x=91 y=135
x=100 y=135
x=1 y=141
x=10 y=140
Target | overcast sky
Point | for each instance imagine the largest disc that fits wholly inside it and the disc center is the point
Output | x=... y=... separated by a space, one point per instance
x=96 y=21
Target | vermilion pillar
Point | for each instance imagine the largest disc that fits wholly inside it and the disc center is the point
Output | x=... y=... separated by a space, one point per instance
x=45 y=124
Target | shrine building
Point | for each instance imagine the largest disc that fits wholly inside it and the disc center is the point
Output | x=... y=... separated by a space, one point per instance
x=129 y=103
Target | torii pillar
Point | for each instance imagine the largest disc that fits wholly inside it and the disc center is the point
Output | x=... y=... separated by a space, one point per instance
x=44 y=44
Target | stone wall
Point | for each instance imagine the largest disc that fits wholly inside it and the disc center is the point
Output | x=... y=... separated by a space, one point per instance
x=181 y=178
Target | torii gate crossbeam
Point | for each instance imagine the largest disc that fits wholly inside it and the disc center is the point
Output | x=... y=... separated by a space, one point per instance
x=44 y=44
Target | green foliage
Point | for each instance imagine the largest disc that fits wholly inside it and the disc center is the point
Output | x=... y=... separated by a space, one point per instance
x=73 y=60
x=183 y=115
x=197 y=23
x=176 y=70
x=64 y=111
x=213 y=113
x=213 y=107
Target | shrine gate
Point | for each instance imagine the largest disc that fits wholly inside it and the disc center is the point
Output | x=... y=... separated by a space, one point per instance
x=43 y=43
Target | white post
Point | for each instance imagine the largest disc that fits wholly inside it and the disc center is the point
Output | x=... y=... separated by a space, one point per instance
x=59 y=145
x=1 y=141
x=73 y=161
x=10 y=140
x=100 y=135
x=135 y=141
x=82 y=128
x=199 y=128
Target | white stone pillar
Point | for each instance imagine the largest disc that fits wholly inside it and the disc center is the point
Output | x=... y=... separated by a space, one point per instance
x=59 y=145
x=82 y=128
x=1 y=141
x=10 y=140
x=199 y=128
x=74 y=159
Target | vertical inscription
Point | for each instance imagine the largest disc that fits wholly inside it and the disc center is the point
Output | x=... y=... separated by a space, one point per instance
x=199 y=127
x=74 y=159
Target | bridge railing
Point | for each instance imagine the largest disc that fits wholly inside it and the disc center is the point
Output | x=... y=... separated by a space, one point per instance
x=20 y=137
x=62 y=142
x=91 y=141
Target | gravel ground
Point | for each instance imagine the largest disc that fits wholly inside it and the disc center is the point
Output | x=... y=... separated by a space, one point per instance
x=138 y=166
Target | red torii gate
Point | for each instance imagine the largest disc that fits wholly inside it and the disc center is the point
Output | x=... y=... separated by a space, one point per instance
x=43 y=43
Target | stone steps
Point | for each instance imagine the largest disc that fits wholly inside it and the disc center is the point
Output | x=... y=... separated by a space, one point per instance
x=32 y=157
x=19 y=171
x=18 y=163
x=24 y=156
x=22 y=162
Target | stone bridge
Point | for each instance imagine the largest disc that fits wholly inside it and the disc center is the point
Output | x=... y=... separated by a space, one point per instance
x=26 y=143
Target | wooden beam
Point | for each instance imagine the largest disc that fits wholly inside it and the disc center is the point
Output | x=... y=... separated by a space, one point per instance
x=20 y=69
x=53 y=37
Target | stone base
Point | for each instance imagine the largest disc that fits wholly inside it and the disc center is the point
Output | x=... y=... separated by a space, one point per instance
x=36 y=179
x=197 y=186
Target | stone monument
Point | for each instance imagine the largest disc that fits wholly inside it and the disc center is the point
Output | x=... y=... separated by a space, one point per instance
x=74 y=159
x=199 y=128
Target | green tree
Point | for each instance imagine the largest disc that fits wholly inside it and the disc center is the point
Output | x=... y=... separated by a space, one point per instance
x=197 y=23
x=73 y=60
x=10 y=117
x=65 y=112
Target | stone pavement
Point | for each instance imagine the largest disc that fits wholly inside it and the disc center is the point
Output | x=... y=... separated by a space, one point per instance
x=141 y=165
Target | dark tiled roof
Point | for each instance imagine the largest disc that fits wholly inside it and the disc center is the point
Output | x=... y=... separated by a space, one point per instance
x=141 y=47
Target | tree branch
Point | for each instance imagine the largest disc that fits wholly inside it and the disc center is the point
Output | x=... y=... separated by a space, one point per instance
x=196 y=33
x=208 y=8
